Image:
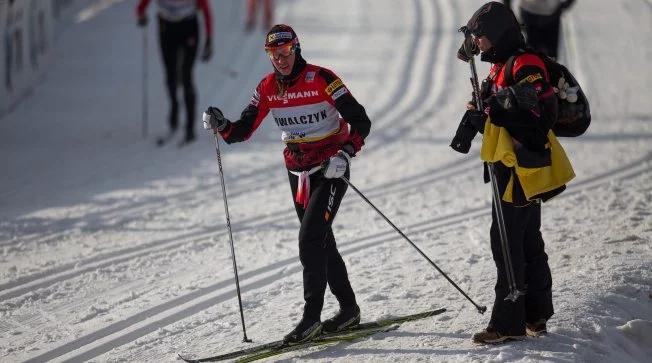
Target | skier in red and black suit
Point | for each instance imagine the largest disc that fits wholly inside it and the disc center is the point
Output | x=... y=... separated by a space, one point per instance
x=526 y=107
x=323 y=127
x=179 y=37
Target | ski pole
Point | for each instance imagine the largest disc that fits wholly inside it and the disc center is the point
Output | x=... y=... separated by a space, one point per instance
x=145 y=84
x=514 y=292
x=228 y=227
x=481 y=309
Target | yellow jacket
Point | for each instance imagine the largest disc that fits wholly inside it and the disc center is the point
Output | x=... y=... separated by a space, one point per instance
x=497 y=145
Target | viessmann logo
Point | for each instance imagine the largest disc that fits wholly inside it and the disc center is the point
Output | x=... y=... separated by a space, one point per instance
x=293 y=96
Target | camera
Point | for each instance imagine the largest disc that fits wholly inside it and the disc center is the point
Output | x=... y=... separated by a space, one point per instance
x=472 y=123
x=464 y=135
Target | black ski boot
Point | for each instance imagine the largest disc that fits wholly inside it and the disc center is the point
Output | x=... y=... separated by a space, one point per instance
x=304 y=331
x=344 y=319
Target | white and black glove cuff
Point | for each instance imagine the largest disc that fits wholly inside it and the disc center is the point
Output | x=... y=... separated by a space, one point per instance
x=214 y=119
x=336 y=166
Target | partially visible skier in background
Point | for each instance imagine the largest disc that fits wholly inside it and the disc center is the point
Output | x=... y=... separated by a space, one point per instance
x=179 y=38
x=268 y=14
x=542 y=20
x=323 y=127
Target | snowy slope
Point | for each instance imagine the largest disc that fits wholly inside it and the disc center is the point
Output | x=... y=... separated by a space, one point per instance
x=114 y=250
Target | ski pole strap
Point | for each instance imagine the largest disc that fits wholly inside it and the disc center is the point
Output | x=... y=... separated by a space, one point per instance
x=303 y=189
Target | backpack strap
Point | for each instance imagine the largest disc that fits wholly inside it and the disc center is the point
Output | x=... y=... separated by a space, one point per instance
x=509 y=70
x=509 y=64
x=509 y=67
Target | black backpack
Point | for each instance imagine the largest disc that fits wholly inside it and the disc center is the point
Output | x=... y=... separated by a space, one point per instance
x=574 y=115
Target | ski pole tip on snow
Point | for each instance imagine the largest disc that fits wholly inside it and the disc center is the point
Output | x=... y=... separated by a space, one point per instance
x=482 y=309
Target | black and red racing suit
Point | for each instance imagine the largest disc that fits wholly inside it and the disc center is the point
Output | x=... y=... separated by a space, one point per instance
x=317 y=116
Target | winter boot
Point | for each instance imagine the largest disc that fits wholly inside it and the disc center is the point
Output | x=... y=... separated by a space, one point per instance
x=491 y=336
x=304 y=331
x=344 y=319
x=536 y=329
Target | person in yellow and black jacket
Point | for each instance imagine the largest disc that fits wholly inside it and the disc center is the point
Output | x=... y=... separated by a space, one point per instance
x=529 y=164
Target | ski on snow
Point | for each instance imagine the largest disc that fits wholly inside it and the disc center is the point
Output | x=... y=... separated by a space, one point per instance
x=359 y=331
x=319 y=341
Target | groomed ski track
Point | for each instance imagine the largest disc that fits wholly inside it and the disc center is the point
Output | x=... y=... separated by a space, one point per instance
x=136 y=269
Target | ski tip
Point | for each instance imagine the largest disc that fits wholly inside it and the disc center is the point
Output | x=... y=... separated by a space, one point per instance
x=187 y=359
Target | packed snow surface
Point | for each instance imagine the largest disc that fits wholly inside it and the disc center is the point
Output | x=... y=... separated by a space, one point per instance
x=112 y=249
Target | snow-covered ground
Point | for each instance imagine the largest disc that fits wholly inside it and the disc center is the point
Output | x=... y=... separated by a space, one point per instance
x=112 y=249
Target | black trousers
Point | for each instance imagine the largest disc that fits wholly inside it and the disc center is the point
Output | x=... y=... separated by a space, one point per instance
x=178 y=41
x=321 y=261
x=542 y=31
x=531 y=270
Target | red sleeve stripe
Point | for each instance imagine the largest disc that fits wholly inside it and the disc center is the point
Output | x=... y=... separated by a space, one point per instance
x=208 y=19
x=141 y=7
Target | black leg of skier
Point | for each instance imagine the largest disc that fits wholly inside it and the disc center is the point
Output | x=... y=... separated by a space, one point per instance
x=542 y=31
x=322 y=262
x=178 y=41
x=187 y=64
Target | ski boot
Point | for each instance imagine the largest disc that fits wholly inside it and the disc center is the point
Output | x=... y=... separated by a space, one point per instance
x=304 y=331
x=344 y=319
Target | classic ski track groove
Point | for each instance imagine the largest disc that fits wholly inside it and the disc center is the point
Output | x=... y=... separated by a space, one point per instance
x=427 y=91
x=31 y=282
x=433 y=89
x=156 y=244
x=253 y=177
x=71 y=270
x=144 y=317
x=635 y=168
x=242 y=188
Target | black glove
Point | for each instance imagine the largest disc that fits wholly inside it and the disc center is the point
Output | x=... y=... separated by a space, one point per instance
x=207 y=53
x=522 y=96
x=214 y=119
x=142 y=21
x=467 y=50
x=485 y=92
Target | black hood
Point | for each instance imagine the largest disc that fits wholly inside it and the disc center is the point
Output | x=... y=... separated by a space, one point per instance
x=498 y=23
